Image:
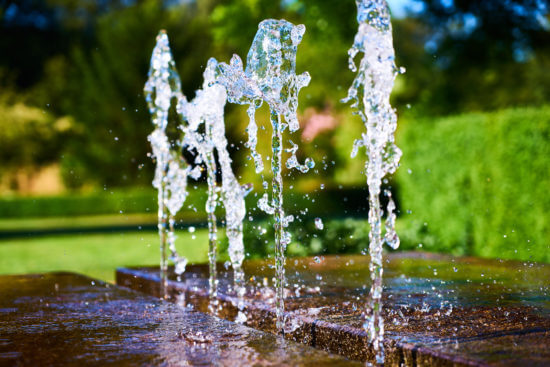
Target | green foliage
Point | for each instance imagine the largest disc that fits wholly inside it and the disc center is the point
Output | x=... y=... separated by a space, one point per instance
x=88 y=61
x=472 y=55
x=477 y=184
x=135 y=200
x=474 y=178
x=106 y=85
x=339 y=236
x=29 y=137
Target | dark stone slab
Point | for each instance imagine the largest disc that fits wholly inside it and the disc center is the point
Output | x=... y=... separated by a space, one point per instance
x=438 y=310
x=64 y=319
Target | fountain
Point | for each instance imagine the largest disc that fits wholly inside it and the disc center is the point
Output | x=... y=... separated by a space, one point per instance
x=171 y=170
x=439 y=310
x=208 y=108
x=270 y=76
x=370 y=93
x=324 y=295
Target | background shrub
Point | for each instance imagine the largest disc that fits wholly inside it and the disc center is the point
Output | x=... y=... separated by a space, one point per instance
x=477 y=184
x=339 y=236
x=134 y=200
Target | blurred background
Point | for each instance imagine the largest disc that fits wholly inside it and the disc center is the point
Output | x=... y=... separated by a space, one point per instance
x=75 y=171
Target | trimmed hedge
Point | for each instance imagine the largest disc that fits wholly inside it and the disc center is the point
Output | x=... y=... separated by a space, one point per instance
x=339 y=236
x=477 y=184
x=134 y=200
x=344 y=201
x=131 y=201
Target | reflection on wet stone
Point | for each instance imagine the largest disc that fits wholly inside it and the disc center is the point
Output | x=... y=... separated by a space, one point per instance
x=63 y=319
x=438 y=309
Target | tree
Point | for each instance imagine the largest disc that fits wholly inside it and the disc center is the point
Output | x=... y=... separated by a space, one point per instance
x=30 y=138
x=484 y=54
x=105 y=93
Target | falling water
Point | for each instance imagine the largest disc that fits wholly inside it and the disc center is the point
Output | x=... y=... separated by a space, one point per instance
x=370 y=93
x=208 y=108
x=270 y=76
x=233 y=193
x=171 y=171
x=203 y=109
x=176 y=185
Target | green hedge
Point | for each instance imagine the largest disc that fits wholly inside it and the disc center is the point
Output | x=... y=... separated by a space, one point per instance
x=77 y=204
x=339 y=236
x=337 y=201
x=134 y=200
x=477 y=184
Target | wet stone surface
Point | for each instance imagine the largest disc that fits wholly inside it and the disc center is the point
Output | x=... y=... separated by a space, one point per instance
x=438 y=310
x=65 y=319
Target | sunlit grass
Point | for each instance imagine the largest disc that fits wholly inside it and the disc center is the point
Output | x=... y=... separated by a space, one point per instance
x=95 y=255
x=44 y=223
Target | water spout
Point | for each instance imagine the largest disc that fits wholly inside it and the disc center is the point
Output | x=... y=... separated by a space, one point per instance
x=172 y=172
x=208 y=108
x=170 y=180
x=370 y=93
x=270 y=76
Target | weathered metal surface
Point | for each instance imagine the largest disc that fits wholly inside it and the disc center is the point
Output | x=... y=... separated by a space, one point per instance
x=64 y=319
x=438 y=310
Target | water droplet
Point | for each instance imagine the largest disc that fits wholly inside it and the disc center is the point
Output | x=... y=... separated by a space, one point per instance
x=319 y=223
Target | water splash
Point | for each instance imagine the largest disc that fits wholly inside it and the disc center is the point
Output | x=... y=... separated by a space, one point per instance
x=170 y=179
x=292 y=161
x=319 y=224
x=370 y=93
x=270 y=76
x=207 y=108
x=176 y=186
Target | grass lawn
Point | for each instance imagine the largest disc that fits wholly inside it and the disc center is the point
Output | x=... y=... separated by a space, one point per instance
x=96 y=255
x=21 y=224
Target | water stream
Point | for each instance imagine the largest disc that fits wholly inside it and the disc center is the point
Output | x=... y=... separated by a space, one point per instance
x=172 y=172
x=270 y=76
x=370 y=93
x=208 y=108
